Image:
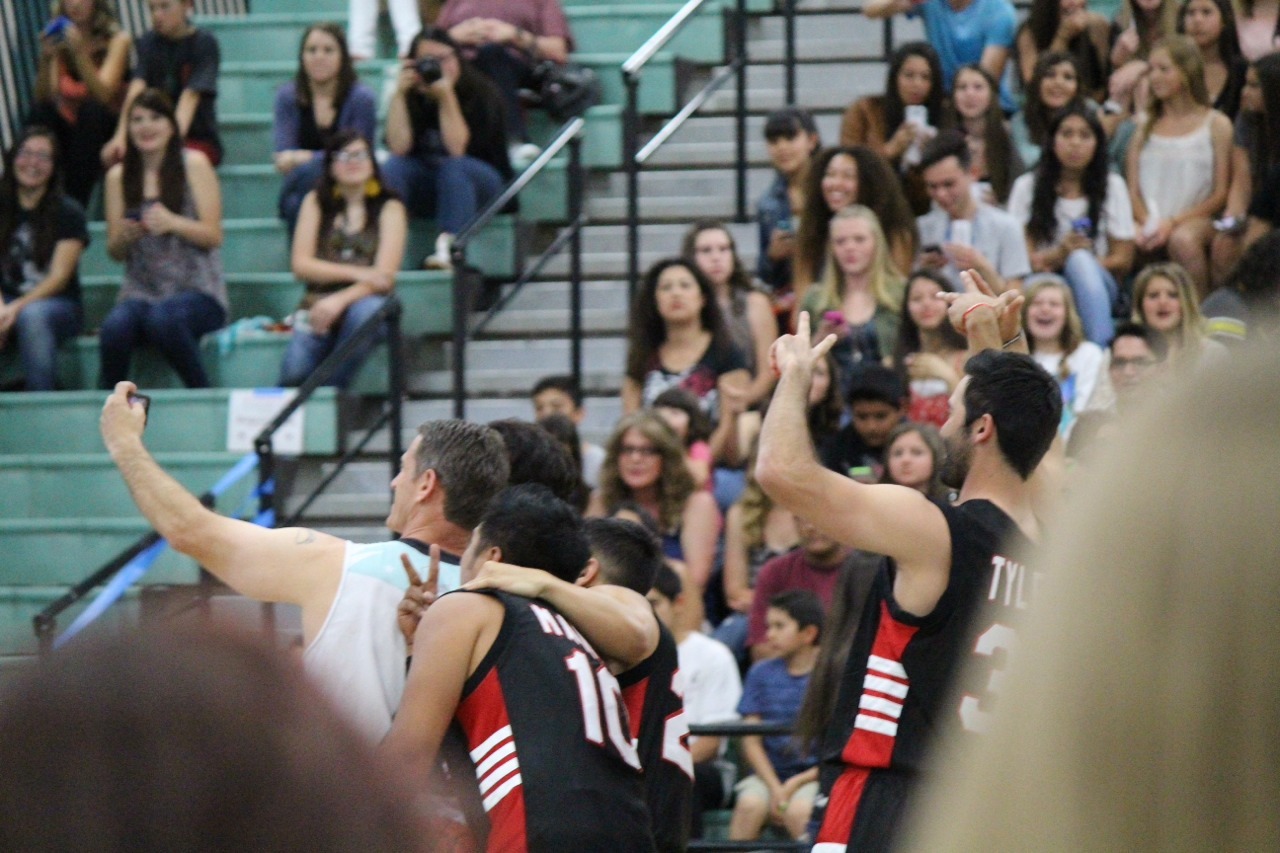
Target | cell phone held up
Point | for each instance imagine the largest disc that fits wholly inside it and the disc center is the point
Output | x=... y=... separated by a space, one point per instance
x=144 y=401
x=56 y=30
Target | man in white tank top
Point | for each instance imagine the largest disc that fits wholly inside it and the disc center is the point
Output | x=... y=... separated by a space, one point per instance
x=348 y=593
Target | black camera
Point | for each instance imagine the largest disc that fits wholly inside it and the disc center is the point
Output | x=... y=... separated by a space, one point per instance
x=428 y=69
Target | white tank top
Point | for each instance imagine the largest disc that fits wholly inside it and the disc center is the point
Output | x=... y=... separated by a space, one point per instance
x=358 y=656
x=1176 y=172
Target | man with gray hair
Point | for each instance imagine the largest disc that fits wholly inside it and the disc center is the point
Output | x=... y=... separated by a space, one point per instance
x=348 y=592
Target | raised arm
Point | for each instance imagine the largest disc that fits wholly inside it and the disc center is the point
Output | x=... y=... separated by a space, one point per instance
x=884 y=519
x=619 y=622
x=288 y=565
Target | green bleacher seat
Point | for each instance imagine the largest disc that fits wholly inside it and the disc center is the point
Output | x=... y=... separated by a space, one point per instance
x=41 y=485
x=182 y=420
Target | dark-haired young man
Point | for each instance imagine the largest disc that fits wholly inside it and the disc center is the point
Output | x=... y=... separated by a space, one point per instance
x=606 y=603
x=953 y=577
x=545 y=729
x=560 y=395
x=960 y=232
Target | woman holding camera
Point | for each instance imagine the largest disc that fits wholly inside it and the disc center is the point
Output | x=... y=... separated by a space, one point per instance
x=164 y=220
x=84 y=59
x=446 y=130
x=1078 y=218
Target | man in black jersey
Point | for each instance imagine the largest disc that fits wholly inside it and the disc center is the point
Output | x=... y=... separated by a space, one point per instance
x=625 y=559
x=953 y=575
x=545 y=728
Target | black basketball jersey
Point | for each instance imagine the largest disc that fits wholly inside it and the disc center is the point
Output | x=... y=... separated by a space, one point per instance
x=654 y=693
x=899 y=682
x=549 y=740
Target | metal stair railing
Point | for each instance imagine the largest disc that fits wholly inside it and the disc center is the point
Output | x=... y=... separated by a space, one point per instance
x=465 y=283
x=634 y=157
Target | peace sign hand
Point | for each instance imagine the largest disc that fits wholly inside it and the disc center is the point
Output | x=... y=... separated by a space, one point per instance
x=419 y=596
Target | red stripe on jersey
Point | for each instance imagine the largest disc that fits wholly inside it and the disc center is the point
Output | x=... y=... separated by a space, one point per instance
x=884 y=693
x=482 y=714
x=633 y=695
x=837 y=823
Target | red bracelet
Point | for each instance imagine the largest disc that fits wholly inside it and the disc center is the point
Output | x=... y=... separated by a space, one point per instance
x=964 y=318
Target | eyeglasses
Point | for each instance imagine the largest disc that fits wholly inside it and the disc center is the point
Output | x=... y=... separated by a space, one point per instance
x=41 y=156
x=639 y=450
x=1141 y=362
x=360 y=156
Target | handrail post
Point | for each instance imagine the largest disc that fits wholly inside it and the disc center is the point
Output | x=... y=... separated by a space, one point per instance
x=888 y=37
x=461 y=307
x=740 y=111
x=45 y=627
x=630 y=148
x=266 y=469
x=789 y=48
x=395 y=383
x=575 y=191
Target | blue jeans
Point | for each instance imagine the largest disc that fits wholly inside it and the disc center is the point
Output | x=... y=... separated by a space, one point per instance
x=294 y=189
x=174 y=326
x=452 y=189
x=1095 y=292
x=307 y=349
x=40 y=329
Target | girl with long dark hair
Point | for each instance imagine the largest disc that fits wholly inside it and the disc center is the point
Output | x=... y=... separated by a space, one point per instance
x=164 y=220
x=347 y=249
x=975 y=107
x=1078 y=218
x=1253 y=199
x=323 y=98
x=930 y=354
x=1055 y=85
x=747 y=313
x=1066 y=26
x=42 y=235
x=1211 y=25
x=881 y=123
x=678 y=338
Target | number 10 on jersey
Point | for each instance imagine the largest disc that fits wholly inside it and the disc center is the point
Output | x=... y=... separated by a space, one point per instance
x=601 y=706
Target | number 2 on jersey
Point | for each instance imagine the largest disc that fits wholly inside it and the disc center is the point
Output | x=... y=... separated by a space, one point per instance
x=601 y=706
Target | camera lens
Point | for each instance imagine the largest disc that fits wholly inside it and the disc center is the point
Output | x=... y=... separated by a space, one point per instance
x=428 y=69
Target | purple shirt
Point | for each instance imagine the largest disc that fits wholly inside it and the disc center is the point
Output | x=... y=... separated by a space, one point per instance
x=540 y=17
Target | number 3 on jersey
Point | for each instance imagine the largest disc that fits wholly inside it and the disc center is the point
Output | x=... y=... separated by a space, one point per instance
x=994 y=638
x=601 y=706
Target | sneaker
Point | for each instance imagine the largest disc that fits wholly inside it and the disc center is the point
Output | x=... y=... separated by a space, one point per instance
x=523 y=155
x=442 y=257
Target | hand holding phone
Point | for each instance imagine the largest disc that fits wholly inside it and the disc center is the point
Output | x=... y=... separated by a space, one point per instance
x=144 y=401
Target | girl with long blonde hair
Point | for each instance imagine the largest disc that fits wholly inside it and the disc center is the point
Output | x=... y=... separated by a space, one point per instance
x=860 y=293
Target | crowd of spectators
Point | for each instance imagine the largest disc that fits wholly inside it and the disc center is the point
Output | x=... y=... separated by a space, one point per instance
x=1117 y=173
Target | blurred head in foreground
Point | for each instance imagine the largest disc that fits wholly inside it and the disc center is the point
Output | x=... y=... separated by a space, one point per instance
x=1141 y=709
x=193 y=740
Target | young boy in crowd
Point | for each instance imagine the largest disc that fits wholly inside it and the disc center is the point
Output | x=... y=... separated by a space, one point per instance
x=560 y=395
x=181 y=60
x=784 y=783
x=792 y=138
x=877 y=401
